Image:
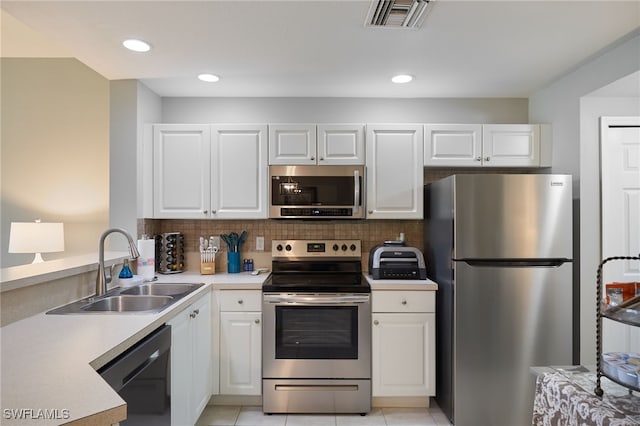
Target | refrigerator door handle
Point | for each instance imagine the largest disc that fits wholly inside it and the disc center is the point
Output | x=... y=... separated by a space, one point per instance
x=516 y=263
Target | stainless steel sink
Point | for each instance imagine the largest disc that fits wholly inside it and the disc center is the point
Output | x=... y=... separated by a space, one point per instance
x=145 y=298
x=128 y=303
x=161 y=289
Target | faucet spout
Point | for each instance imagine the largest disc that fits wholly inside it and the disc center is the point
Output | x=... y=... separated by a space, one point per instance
x=101 y=279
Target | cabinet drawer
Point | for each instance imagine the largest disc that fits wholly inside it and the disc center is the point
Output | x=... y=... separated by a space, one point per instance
x=240 y=300
x=403 y=301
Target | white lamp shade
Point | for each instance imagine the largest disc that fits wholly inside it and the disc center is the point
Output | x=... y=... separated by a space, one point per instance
x=36 y=237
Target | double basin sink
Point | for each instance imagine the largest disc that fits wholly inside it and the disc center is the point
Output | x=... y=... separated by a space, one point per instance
x=143 y=298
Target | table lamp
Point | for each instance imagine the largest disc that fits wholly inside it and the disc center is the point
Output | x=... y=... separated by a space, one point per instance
x=36 y=237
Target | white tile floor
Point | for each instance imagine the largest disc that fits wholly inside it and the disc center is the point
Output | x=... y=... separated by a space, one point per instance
x=252 y=416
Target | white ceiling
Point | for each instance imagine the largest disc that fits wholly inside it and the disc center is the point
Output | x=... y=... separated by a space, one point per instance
x=322 y=48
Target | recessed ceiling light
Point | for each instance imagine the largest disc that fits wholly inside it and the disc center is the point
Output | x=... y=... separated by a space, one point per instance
x=209 y=78
x=402 y=78
x=136 y=45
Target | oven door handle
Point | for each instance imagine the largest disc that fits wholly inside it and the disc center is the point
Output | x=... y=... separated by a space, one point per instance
x=316 y=299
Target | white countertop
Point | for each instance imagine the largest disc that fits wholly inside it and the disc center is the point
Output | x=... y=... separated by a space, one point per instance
x=426 y=285
x=49 y=361
x=220 y=281
x=20 y=276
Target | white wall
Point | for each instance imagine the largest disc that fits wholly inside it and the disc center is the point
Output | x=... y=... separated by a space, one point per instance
x=576 y=144
x=55 y=151
x=132 y=105
x=343 y=110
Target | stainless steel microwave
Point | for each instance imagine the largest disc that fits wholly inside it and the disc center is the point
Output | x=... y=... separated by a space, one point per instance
x=320 y=192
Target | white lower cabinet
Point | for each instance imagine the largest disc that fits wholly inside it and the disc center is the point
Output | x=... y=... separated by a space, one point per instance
x=240 y=342
x=403 y=343
x=191 y=355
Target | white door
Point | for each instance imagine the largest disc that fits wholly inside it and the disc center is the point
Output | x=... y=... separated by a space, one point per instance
x=240 y=353
x=403 y=359
x=453 y=145
x=620 y=169
x=181 y=186
x=291 y=144
x=202 y=359
x=340 y=144
x=239 y=171
x=181 y=369
x=394 y=171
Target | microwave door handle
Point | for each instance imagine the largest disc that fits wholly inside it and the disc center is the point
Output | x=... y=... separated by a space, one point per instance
x=356 y=191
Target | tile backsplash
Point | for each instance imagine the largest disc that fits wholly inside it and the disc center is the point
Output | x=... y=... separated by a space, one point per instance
x=370 y=232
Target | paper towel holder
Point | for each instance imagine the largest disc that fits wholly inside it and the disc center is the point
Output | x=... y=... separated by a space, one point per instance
x=146 y=262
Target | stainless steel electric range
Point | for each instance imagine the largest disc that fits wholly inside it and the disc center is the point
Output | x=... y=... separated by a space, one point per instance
x=317 y=329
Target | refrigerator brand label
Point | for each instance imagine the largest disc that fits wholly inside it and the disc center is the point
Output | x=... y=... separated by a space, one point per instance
x=557 y=183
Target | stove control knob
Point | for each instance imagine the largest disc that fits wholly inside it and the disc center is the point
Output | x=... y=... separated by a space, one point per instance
x=279 y=247
x=288 y=247
x=344 y=247
x=353 y=247
x=335 y=247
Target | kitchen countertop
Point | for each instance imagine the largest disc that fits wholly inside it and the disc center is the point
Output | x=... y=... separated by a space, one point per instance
x=49 y=361
x=427 y=285
x=16 y=277
x=220 y=281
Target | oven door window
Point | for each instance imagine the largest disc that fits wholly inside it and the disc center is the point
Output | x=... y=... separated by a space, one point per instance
x=316 y=332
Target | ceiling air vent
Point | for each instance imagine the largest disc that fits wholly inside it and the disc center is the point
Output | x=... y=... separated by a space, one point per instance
x=397 y=13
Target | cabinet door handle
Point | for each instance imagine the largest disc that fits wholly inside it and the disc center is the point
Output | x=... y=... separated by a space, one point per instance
x=376 y=322
x=192 y=314
x=404 y=302
x=321 y=158
x=370 y=211
x=313 y=158
x=197 y=311
x=478 y=158
x=487 y=158
x=206 y=211
x=213 y=211
x=257 y=321
x=240 y=302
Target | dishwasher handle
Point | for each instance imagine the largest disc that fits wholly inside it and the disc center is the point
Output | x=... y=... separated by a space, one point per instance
x=121 y=370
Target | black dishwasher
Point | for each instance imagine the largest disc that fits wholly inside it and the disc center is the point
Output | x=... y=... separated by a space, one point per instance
x=141 y=375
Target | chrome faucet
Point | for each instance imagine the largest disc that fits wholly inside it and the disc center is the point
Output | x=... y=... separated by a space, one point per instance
x=101 y=280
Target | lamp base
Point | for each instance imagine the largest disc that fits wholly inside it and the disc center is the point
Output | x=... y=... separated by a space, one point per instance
x=38 y=258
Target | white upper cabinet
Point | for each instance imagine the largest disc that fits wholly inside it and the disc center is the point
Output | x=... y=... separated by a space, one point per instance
x=394 y=155
x=325 y=144
x=452 y=145
x=488 y=145
x=292 y=144
x=239 y=171
x=340 y=144
x=210 y=171
x=511 y=145
x=181 y=185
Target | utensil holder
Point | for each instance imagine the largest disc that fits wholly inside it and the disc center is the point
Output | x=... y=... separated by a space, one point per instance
x=233 y=262
x=207 y=268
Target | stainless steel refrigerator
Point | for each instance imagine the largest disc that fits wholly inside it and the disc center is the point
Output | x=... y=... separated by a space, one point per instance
x=500 y=248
